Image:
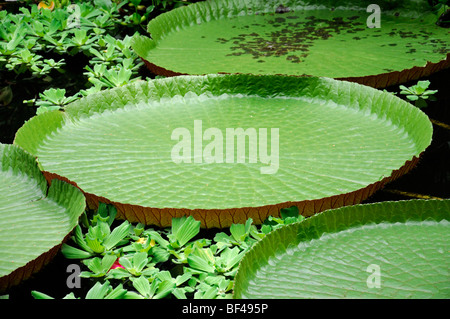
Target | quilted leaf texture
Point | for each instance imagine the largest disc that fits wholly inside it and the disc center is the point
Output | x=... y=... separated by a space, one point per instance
x=383 y=250
x=34 y=219
x=336 y=144
x=395 y=42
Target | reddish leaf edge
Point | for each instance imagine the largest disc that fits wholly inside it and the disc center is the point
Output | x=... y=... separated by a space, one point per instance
x=377 y=81
x=224 y=218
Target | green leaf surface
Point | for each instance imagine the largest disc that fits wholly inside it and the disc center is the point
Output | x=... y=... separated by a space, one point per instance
x=316 y=143
x=321 y=38
x=98 y=291
x=74 y=253
x=142 y=285
x=34 y=219
x=184 y=229
x=117 y=235
x=383 y=250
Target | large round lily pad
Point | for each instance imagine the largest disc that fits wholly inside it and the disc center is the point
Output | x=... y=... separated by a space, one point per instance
x=382 y=250
x=321 y=38
x=34 y=219
x=227 y=147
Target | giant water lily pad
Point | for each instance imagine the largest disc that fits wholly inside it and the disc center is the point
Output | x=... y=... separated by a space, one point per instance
x=34 y=219
x=383 y=250
x=224 y=148
x=321 y=38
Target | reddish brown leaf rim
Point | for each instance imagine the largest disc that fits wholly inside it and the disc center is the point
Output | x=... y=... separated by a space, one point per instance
x=223 y=218
x=377 y=81
x=32 y=267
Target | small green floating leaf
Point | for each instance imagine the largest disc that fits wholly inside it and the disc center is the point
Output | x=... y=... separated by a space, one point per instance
x=74 y=253
x=183 y=230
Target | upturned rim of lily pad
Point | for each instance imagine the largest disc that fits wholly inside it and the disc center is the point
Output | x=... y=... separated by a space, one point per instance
x=418 y=126
x=28 y=243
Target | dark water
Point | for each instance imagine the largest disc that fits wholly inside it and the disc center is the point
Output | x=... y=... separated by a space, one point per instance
x=432 y=174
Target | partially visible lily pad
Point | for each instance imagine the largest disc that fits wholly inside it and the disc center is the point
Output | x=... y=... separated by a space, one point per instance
x=383 y=250
x=34 y=219
x=321 y=38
